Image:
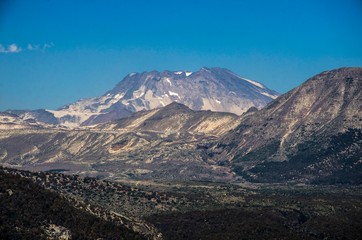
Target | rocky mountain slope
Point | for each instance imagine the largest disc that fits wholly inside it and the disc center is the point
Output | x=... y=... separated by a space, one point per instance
x=39 y=115
x=312 y=133
x=160 y=143
x=215 y=89
x=13 y=121
x=176 y=118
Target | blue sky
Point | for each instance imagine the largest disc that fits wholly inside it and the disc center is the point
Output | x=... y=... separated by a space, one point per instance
x=54 y=52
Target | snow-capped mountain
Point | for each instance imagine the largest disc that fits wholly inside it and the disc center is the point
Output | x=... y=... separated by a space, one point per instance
x=215 y=89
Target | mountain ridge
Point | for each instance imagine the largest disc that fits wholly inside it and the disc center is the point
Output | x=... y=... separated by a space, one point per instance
x=176 y=118
x=216 y=89
x=158 y=143
x=312 y=134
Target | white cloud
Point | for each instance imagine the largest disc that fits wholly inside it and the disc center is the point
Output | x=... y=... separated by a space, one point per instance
x=12 y=48
x=15 y=48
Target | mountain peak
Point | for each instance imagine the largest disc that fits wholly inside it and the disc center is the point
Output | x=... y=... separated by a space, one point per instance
x=345 y=72
x=216 y=69
x=212 y=70
x=330 y=82
x=204 y=69
x=215 y=89
x=176 y=106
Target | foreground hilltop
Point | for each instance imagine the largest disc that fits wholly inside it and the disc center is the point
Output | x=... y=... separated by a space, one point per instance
x=215 y=89
x=312 y=133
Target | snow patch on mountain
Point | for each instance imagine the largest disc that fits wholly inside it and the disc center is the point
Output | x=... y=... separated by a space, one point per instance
x=188 y=73
x=259 y=85
x=168 y=80
x=75 y=116
x=138 y=94
x=269 y=95
x=173 y=94
x=254 y=83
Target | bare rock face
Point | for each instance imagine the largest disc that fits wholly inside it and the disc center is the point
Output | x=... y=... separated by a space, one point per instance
x=312 y=132
x=55 y=232
x=13 y=121
x=39 y=115
x=215 y=89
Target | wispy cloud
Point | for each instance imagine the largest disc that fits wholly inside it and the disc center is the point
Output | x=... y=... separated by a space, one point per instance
x=48 y=45
x=12 y=48
x=31 y=47
x=34 y=47
x=15 y=48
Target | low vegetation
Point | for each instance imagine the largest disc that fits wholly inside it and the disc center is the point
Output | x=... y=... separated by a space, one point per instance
x=28 y=210
x=32 y=202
